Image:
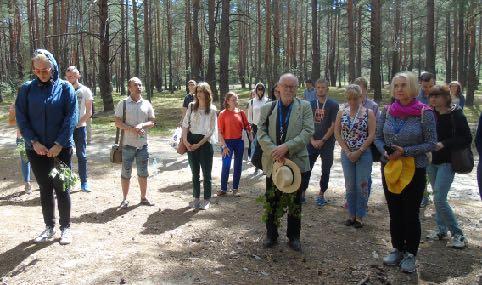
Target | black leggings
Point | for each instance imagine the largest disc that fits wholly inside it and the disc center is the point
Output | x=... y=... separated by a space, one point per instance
x=404 y=211
x=41 y=167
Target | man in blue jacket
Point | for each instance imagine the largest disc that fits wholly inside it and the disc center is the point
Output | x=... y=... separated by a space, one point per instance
x=46 y=114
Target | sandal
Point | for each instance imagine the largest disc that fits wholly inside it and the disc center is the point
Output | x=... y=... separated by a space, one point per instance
x=146 y=202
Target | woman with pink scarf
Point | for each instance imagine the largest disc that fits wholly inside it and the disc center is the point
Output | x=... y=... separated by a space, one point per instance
x=405 y=129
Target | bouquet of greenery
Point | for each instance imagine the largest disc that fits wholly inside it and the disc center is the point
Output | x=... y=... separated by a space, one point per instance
x=286 y=204
x=63 y=175
x=20 y=150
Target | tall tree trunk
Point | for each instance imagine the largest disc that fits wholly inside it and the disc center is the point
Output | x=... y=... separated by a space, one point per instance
x=46 y=27
x=315 y=57
x=396 y=40
x=455 y=46
x=224 y=44
x=267 y=48
x=376 y=49
x=430 y=38
x=136 y=38
x=196 y=44
x=359 y=42
x=123 y=50
x=241 y=49
x=351 y=42
x=147 y=52
x=461 y=41
x=126 y=37
x=211 y=72
x=104 y=64
x=276 y=39
x=258 y=41
x=169 y=43
x=448 y=48
x=472 y=74
x=188 y=38
x=410 y=65
x=55 y=28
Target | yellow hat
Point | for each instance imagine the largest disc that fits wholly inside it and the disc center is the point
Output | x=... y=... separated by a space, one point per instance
x=286 y=176
x=398 y=173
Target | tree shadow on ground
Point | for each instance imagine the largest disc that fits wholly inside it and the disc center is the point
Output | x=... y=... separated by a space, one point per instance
x=166 y=220
x=176 y=187
x=23 y=203
x=433 y=265
x=11 y=258
x=176 y=165
x=104 y=217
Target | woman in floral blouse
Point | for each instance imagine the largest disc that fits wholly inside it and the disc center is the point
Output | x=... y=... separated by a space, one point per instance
x=355 y=131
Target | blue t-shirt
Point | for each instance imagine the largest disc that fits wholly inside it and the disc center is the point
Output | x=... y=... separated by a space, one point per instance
x=309 y=94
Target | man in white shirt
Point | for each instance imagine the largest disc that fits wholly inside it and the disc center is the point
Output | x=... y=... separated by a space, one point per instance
x=139 y=116
x=84 y=101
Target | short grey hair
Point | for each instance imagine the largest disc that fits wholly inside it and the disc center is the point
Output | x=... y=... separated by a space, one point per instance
x=286 y=76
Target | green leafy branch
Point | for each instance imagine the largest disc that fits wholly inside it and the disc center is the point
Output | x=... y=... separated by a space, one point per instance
x=20 y=150
x=64 y=175
x=285 y=204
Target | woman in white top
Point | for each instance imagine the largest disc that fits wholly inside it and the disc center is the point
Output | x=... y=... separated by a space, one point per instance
x=254 y=111
x=199 y=134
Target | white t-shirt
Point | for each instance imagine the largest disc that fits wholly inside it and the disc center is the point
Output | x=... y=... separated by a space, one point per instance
x=136 y=113
x=198 y=122
x=83 y=94
x=254 y=109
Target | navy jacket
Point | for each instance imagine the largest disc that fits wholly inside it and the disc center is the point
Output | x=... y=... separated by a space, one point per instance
x=47 y=112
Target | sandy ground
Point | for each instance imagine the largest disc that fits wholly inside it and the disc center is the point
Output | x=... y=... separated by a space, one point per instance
x=171 y=244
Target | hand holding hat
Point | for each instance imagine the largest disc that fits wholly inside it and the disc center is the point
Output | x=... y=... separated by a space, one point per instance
x=286 y=176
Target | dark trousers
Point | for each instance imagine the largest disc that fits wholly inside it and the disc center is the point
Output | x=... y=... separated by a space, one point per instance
x=326 y=154
x=404 y=211
x=479 y=178
x=41 y=167
x=294 y=219
x=201 y=158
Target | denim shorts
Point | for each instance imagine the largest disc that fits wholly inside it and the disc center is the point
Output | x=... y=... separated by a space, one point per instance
x=142 y=161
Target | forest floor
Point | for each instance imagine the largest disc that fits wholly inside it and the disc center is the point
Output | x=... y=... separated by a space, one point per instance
x=172 y=244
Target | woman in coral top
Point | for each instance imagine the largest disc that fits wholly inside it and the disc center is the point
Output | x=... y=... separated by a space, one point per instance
x=231 y=123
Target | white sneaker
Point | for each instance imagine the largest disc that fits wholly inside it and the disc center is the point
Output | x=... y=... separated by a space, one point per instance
x=457 y=241
x=28 y=188
x=206 y=205
x=124 y=204
x=65 y=237
x=47 y=235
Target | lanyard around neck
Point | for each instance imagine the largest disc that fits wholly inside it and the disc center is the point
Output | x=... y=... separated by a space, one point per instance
x=352 y=123
x=318 y=104
x=280 y=116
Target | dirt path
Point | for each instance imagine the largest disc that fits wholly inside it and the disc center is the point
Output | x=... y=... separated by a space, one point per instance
x=171 y=244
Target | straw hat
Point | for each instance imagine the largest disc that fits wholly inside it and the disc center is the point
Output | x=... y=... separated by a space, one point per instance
x=286 y=176
x=398 y=173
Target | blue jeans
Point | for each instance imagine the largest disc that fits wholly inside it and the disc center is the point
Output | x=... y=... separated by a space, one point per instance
x=24 y=163
x=142 y=161
x=80 y=138
x=236 y=148
x=479 y=178
x=326 y=154
x=357 y=175
x=441 y=177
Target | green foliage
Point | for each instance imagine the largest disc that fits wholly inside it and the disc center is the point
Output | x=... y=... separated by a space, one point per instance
x=63 y=175
x=20 y=150
x=286 y=204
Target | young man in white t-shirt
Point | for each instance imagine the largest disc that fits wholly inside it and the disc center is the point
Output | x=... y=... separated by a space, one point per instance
x=84 y=99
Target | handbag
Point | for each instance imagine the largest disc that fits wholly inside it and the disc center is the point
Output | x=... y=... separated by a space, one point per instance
x=258 y=151
x=462 y=159
x=181 y=147
x=116 y=148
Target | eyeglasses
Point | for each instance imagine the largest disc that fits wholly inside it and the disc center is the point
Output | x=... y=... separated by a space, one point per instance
x=42 y=71
x=290 y=86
